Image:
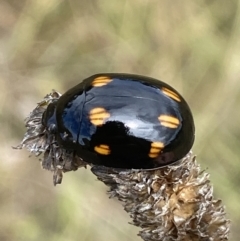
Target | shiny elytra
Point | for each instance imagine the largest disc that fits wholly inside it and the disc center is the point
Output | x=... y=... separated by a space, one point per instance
x=122 y=121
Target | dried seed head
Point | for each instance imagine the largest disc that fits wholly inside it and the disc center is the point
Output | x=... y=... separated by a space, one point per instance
x=171 y=203
x=39 y=141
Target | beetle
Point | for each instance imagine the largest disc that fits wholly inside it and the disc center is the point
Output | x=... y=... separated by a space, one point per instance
x=122 y=121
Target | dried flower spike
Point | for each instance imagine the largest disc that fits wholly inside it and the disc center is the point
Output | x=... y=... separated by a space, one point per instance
x=38 y=140
x=171 y=203
x=132 y=130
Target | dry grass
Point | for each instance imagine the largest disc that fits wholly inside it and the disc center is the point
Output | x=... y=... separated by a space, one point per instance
x=192 y=45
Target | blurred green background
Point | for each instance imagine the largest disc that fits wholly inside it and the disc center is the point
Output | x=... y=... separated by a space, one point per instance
x=45 y=44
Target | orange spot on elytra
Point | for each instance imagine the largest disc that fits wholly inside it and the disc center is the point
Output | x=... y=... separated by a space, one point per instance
x=101 y=81
x=169 y=121
x=155 y=149
x=98 y=116
x=171 y=94
x=102 y=149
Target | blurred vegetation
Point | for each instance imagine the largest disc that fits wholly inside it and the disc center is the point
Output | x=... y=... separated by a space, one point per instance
x=45 y=44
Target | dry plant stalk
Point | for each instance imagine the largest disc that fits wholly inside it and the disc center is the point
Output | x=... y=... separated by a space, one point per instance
x=171 y=203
